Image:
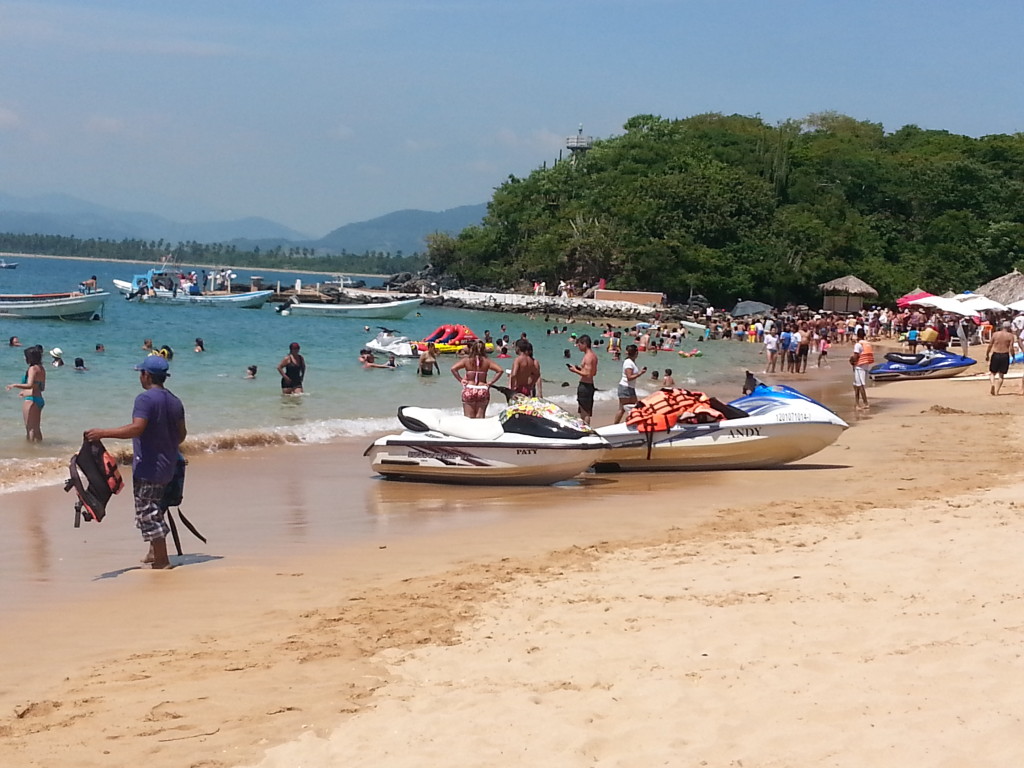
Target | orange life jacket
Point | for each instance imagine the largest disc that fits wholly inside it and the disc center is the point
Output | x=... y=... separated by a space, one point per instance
x=867 y=355
x=662 y=410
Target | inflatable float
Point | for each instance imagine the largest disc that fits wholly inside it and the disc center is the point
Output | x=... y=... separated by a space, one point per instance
x=450 y=338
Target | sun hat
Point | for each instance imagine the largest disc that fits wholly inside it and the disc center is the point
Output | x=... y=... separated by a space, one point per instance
x=56 y=352
x=154 y=364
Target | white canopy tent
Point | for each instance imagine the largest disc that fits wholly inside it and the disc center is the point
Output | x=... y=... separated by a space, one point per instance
x=944 y=304
x=978 y=303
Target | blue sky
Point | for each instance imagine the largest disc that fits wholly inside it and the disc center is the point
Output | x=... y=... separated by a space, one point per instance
x=320 y=113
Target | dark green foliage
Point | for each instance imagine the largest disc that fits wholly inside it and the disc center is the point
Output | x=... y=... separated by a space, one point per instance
x=212 y=254
x=731 y=207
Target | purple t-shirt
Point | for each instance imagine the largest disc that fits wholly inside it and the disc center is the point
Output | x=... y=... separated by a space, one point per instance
x=156 y=450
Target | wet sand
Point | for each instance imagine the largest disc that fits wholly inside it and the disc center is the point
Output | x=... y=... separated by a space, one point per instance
x=622 y=619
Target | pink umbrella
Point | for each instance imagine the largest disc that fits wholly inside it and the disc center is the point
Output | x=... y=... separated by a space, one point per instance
x=912 y=298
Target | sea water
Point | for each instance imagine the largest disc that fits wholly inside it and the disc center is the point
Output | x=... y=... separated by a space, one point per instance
x=226 y=411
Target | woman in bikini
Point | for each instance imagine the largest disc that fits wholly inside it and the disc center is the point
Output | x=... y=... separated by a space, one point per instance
x=32 y=385
x=471 y=371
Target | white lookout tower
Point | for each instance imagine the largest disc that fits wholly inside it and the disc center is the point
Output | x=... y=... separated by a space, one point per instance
x=578 y=144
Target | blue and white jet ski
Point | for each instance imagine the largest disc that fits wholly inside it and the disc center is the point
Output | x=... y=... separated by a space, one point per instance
x=930 y=364
x=769 y=426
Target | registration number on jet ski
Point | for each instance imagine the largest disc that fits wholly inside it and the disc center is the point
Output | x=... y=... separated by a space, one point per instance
x=792 y=417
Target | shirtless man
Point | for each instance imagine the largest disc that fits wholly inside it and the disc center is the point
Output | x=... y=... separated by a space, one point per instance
x=998 y=354
x=525 y=370
x=586 y=370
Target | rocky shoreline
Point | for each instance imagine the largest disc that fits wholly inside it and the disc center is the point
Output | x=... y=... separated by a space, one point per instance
x=555 y=305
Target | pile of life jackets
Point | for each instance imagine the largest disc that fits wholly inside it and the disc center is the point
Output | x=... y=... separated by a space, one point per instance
x=662 y=410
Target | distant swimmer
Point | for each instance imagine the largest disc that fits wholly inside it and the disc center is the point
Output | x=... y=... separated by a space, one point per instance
x=200 y=345
x=293 y=370
x=250 y=372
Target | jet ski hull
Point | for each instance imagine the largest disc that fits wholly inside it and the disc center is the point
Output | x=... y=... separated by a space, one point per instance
x=781 y=426
x=443 y=459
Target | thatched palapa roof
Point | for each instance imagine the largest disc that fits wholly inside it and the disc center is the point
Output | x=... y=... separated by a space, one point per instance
x=1006 y=289
x=851 y=285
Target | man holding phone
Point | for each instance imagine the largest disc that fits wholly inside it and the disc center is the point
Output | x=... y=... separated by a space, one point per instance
x=586 y=370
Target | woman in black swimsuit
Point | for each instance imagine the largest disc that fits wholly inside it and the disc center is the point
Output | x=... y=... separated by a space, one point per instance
x=428 y=361
x=292 y=370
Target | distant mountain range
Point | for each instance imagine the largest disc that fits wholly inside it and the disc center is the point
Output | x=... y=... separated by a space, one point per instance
x=401 y=231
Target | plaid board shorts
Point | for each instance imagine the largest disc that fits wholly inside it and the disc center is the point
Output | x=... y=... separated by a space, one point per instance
x=149 y=515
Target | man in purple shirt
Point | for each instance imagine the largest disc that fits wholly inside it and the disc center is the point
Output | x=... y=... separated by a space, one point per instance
x=156 y=431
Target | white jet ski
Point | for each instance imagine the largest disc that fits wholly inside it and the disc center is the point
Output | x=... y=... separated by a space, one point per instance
x=531 y=442
x=769 y=427
x=389 y=342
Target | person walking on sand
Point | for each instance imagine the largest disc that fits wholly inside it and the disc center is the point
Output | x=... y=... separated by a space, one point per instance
x=293 y=370
x=157 y=430
x=627 y=384
x=862 y=359
x=586 y=370
x=32 y=385
x=1000 y=348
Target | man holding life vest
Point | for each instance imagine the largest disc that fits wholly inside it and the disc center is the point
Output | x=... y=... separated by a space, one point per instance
x=862 y=359
x=157 y=430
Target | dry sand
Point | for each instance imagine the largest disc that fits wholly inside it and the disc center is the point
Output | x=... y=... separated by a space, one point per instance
x=860 y=608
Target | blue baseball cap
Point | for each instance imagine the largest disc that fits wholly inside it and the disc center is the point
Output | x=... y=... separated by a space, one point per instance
x=154 y=364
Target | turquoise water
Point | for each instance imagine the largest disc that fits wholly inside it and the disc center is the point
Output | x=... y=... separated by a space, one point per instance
x=226 y=411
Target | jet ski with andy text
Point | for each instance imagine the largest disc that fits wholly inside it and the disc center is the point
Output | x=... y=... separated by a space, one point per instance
x=676 y=429
x=930 y=364
x=531 y=442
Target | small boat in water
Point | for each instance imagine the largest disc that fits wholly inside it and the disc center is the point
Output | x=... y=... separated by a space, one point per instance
x=4 y=264
x=531 y=442
x=54 y=306
x=159 y=286
x=384 y=310
x=767 y=427
x=931 y=364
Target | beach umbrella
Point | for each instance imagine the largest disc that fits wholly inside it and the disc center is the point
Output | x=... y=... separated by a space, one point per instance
x=745 y=308
x=850 y=285
x=944 y=305
x=911 y=298
x=1016 y=306
x=978 y=303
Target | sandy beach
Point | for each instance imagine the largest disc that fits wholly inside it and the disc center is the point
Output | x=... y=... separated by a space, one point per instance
x=862 y=607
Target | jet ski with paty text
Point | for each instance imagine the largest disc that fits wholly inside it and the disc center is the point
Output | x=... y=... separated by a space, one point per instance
x=530 y=442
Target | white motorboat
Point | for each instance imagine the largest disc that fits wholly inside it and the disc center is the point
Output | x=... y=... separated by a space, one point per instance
x=382 y=310
x=532 y=442
x=389 y=342
x=158 y=286
x=4 y=264
x=771 y=426
x=54 y=306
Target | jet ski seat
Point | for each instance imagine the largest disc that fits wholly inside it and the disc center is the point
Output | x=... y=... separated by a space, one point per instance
x=417 y=419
